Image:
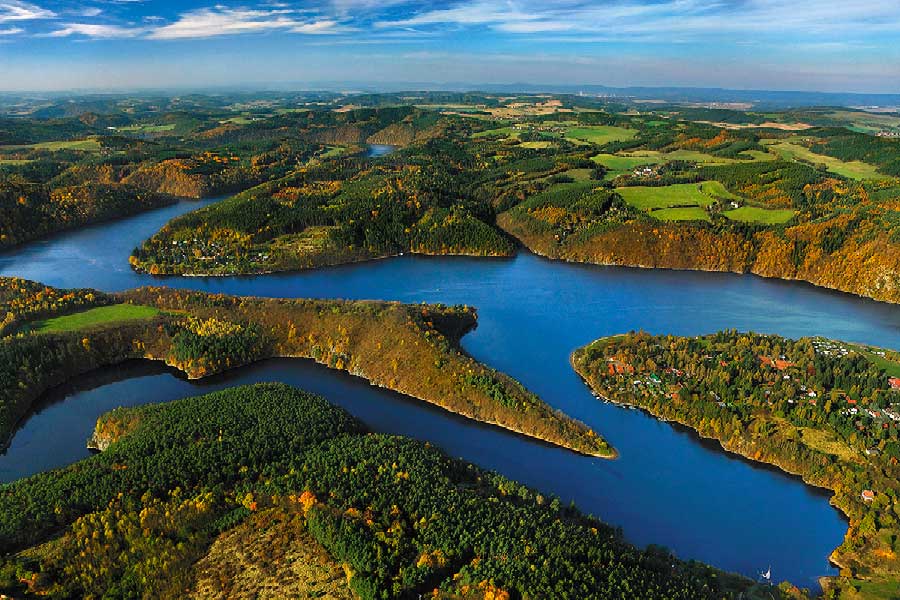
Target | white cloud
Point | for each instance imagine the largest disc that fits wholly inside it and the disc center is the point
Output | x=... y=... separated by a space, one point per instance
x=210 y=22
x=624 y=18
x=99 y=31
x=23 y=11
x=11 y=31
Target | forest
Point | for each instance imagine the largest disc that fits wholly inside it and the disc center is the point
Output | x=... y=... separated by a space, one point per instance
x=826 y=410
x=411 y=349
x=402 y=519
x=805 y=194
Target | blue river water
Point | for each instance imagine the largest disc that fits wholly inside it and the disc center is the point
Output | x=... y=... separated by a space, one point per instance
x=668 y=487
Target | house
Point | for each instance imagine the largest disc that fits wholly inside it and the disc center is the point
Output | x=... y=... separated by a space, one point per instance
x=868 y=495
x=894 y=382
x=617 y=367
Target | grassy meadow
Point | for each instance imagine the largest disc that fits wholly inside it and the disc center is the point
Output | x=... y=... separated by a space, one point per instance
x=762 y=216
x=849 y=169
x=95 y=316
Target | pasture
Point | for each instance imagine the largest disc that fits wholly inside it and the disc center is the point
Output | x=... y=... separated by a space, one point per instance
x=621 y=163
x=600 y=134
x=147 y=128
x=850 y=169
x=698 y=157
x=762 y=216
x=88 y=145
x=669 y=196
x=95 y=316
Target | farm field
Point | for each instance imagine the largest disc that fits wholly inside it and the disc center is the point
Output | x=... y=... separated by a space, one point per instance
x=697 y=156
x=852 y=170
x=763 y=216
x=95 y=316
x=88 y=145
x=540 y=144
x=147 y=128
x=600 y=135
x=679 y=195
x=499 y=131
x=620 y=163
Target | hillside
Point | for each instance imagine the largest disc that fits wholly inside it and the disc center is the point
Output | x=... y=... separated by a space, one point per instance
x=297 y=478
x=828 y=411
x=411 y=349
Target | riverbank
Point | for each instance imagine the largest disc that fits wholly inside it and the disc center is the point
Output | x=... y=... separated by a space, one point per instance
x=867 y=554
x=683 y=247
x=413 y=350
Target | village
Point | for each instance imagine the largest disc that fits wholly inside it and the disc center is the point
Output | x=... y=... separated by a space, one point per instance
x=669 y=382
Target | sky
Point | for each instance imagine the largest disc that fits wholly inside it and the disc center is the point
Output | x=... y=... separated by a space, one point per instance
x=822 y=45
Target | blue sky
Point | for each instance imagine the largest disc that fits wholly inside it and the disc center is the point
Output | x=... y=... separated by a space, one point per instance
x=828 y=45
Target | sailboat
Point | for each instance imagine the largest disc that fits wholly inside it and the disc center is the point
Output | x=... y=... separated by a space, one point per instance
x=767 y=575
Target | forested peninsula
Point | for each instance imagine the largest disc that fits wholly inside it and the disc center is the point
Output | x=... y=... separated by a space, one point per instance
x=53 y=335
x=586 y=186
x=316 y=506
x=825 y=410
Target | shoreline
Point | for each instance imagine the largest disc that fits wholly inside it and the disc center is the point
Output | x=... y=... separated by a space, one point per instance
x=537 y=253
x=832 y=493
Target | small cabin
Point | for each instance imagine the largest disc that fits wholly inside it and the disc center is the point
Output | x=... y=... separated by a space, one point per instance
x=868 y=495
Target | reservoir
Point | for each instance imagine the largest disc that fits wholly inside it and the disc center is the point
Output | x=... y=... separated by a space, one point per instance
x=668 y=487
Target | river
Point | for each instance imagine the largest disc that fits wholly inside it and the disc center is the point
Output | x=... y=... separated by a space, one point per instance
x=668 y=487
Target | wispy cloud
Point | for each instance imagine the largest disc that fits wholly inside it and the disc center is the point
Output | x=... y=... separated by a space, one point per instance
x=624 y=18
x=210 y=22
x=11 y=31
x=218 y=21
x=96 y=30
x=23 y=11
x=589 y=21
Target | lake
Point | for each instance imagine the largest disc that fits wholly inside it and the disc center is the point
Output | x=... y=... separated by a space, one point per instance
x=668 y=487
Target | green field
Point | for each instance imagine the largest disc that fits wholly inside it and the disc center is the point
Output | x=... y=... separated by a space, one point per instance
x=147 y=128
x=334 y=151
x=95 y=316
x=601 y=134
x=763 y=216
x=620 y=163
x=88 y=145
x=851 y=170
x=890 y=367
x=680 y=214
x=717 y=191
x=682 y=194
x=15 y=161
x=498 y=132
x=537 y=144
x=697 y=156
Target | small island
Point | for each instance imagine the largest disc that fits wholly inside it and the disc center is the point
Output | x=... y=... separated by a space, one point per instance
x=827 y=411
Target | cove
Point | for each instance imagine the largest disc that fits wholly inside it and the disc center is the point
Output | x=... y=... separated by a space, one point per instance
x=667 y=487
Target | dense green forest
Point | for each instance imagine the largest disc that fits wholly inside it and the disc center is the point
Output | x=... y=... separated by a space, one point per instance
x=826 y=410
x=401 y=517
